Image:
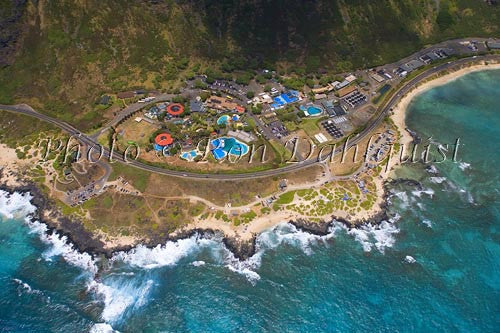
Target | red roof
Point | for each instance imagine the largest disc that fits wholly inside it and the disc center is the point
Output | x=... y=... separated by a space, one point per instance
x=164 y=139
x=175 y=109
x=240 y=109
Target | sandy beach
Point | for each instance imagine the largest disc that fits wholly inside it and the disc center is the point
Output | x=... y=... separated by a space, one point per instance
x=12 y=168
x=10 y=165
x=399 y=111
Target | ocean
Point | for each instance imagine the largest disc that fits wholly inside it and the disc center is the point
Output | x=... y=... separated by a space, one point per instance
x=434 y=266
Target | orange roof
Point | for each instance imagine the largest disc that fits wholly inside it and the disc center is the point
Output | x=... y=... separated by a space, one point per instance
x=164 y=139
x=239 y=108
x=175 y=109
x=346 y=91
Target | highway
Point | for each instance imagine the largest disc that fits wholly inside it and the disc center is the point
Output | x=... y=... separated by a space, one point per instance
x=372 y=125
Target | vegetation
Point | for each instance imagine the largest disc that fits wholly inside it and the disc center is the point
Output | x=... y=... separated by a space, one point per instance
x=286 y=198
x=69 y=53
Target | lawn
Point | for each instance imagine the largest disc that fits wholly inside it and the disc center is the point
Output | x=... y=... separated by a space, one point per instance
x=310 y=126
x=137 y=177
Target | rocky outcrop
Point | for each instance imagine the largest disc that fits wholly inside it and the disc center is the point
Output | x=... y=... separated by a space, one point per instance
x=240 y=248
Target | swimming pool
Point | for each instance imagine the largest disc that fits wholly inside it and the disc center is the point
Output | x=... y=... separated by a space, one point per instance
x=225 y=145
x=189 y=155
x=311 y=110
x=223 y=120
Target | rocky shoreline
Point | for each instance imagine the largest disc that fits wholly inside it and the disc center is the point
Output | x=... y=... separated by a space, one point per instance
x=85 y=241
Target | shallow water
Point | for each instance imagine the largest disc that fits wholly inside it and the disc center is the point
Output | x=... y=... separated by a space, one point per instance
x=434 y=267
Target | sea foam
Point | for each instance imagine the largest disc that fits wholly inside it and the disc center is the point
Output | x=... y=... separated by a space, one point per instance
x=380 y=236
x=167 y=254
x=463 y=166
x=102 y=328
x=437 y=180
x=120 y=293
x=16 y=204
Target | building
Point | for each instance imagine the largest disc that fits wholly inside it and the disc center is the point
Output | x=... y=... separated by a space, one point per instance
x=377 y=77
x=263 y=98
x=319 y=96
x=328 y=105
x=430 y=56
x=340 y=85
x=269 y=115
x=447 y=52
x=223 y=104
x=350 y=78
x=346 y=91
x=493 y=45
x=162 y=106
x=196 y=105
x=425 y=58
x=105 y=100
x=383 y=73
x=163 y=140
x=412 y=65
x=153 y=113
x=339 y=110
x=175 y=109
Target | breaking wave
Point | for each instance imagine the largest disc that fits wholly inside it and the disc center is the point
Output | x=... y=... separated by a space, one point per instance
x=24 y=287
x=16 y=204
x=122 y=289
x=379 y=236
x=102 y=328
x=428 y=191
x=120 y=295
x=463 y=166
x=437 y=180
x=427 y=223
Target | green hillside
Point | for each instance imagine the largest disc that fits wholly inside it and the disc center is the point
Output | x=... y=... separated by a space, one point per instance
x=61 y=55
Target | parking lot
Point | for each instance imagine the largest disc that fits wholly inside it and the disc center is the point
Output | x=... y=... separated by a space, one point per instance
x=278 y=129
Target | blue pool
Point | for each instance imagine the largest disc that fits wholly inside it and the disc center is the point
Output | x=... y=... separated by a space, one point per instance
x=223 y=120
x=189 y=155
x=223 y=146
x=311 y=110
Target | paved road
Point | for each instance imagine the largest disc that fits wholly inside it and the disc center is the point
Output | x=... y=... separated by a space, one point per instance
x=128 y=111
x=374 y=123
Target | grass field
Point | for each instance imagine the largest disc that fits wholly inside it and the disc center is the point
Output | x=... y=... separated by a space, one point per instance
x=310 y=126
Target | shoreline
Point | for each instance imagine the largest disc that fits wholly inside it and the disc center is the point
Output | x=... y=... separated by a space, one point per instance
x=241 y=244
x=85 y=241
x=399 y=112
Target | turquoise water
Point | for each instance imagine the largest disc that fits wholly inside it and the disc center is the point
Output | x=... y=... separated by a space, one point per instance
x=225 y=145
x=312 y=110
x=434 y=268
x=223 y=120
x=189 y=155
